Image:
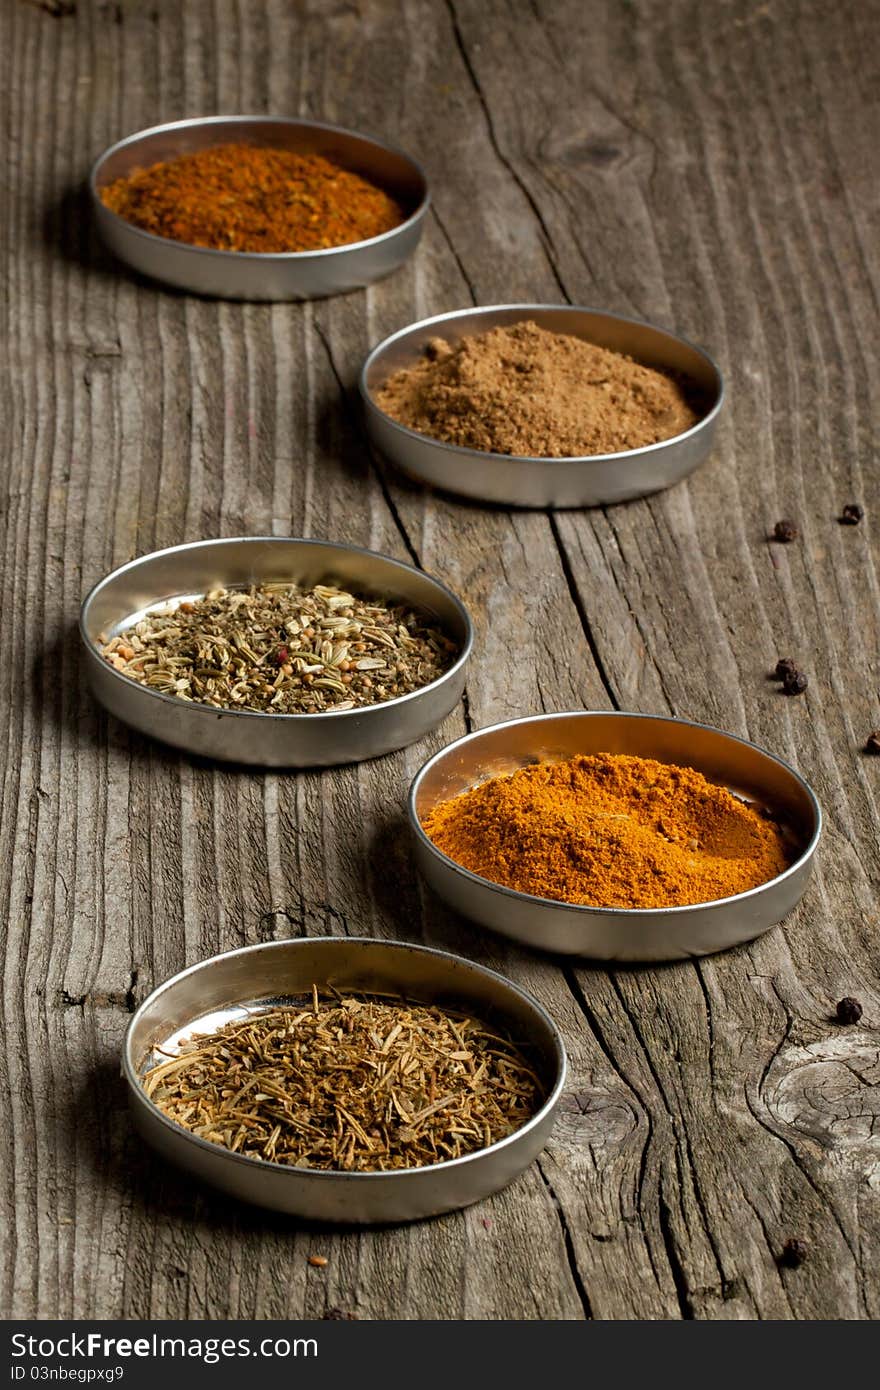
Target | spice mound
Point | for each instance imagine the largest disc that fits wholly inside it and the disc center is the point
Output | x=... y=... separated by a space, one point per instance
x=522 y=390
x=282 y=649
x=351 y=1083
x=608 y=830
x=247 y=198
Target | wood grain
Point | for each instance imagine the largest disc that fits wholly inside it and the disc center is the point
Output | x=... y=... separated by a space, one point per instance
x=710 y=167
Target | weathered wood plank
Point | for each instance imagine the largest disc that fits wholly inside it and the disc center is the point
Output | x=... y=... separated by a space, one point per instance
x=689 y=609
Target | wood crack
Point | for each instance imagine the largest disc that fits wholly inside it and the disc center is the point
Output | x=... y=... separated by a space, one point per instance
x=772 y=1252
x=466 y=711
x=709 y=1023
x=641 y=1200
x=679 y=1277
x=580 y=609
x=679 y=1129
x=472 y=291
x=103 y=999
x=546 y=238
x=568 y=1243
x=824 y=1203
x=648 y=645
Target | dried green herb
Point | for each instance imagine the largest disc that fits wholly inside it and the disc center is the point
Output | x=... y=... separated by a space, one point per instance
x=351 y=1083
x=283 y=649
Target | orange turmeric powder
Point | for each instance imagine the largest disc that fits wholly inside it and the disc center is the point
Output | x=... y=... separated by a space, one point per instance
x=609 y=830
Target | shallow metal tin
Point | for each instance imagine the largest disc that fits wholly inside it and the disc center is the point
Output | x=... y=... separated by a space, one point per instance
x=256 y=275
x=540 y=482
x=246 y=736
x=618 y=934
x=230 y=986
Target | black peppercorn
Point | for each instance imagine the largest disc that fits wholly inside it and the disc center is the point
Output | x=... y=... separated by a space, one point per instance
x=851 y=514
x=785 y=531
x=794 y=682
x=338 y=1315
x=872 y=744
x=794 y=1252
x=848 y=1010
x=784 y=667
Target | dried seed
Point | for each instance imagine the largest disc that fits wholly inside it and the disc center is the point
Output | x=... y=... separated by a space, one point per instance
x=328 y=683
x=794 y=683
x=793 y=1253
x=851 y=514
x=784 y=667
x=848 y=1010
x=872 y=744
x=317 y=1261
x=785 y=532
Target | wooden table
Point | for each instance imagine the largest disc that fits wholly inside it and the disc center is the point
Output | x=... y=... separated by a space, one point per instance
x=710 y=167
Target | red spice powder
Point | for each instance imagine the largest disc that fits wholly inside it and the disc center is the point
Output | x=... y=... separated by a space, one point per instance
x=247 y=198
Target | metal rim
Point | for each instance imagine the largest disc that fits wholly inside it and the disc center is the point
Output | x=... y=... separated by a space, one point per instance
x=438 y=319
x=560 y=1059
x=360 y=710
x=260 y=257
x=581 y=908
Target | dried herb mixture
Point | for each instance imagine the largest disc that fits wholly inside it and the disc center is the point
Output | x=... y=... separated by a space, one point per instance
x=248 y=198
x=283 y=649
x=351 y=1083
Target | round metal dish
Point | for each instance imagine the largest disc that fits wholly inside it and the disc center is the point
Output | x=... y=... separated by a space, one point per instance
x=256 y=275
x=542 y=482
x=246 y=736
x=204 y=997
x=618 y=934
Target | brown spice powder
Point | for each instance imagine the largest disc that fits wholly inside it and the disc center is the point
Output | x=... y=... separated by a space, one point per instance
x=523 y=390
x=609 y=830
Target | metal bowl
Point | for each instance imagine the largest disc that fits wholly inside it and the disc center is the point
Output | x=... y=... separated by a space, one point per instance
x=541 y=482
x=204 y=997
x=249 y=736
x=612 y=933
x=256 y=275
